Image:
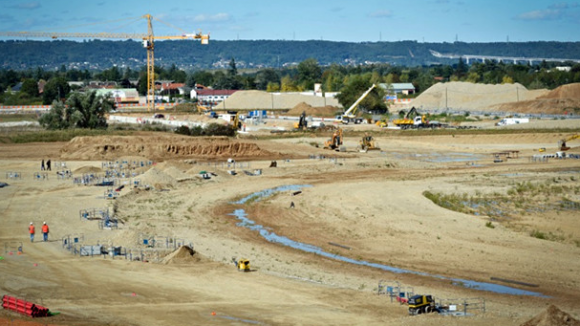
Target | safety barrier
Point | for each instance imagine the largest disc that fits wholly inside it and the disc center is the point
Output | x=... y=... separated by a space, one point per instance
x=395 y=291
x=40 y=176
x=13 y=175
x=24 y=307
x=13 y=247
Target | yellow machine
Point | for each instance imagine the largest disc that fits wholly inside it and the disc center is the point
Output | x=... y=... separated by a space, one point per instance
x=335 y=143
x=236 y=123
x=562 y=143
x=421 y=304
x=302 y=123
x=411 y=120
x=367 y=143
x=243 y=265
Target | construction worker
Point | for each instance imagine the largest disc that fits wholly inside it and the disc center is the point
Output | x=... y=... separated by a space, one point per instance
x=45 y=231
x=31 y=231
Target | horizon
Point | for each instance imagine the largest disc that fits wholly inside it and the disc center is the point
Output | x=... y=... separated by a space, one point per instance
x=340 y=21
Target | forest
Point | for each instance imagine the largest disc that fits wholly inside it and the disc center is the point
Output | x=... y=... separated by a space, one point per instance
x=301 y=76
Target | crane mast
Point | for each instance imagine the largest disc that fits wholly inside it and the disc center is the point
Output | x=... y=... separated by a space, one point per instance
x=148 y=43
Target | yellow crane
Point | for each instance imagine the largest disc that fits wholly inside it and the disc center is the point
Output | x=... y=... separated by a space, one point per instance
x=148 y=43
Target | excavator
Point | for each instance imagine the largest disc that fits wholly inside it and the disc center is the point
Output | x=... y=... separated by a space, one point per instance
x=367 y=143
x=302 y=123
x=349 y=115
x=562 y=143
x=335 y=143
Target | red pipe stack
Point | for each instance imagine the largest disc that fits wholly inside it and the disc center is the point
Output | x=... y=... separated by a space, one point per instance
x=24 y=307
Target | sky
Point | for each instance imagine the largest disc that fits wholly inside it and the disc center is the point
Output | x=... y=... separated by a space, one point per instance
x=337 y=20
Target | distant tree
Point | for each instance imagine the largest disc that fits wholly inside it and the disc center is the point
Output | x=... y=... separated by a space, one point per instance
x=30 y=87
x=81 y=111
x=309 y=72
x=507 y=80
x=288 y=85
x=55 y=88
x=142 y=84
x=266 y=76
x=233 y=70
x=203 y=77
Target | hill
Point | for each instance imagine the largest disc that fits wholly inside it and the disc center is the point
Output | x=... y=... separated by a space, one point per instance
x=99 y=54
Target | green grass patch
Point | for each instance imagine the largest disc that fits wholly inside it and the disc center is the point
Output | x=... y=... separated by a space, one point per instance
x=18 y=117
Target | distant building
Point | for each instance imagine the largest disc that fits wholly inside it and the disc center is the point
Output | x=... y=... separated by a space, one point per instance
x=398 y=88
x=121 y=95
x=211 y=97
x=172 y=88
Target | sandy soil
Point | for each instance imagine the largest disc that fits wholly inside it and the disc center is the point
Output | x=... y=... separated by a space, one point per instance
x=364 y=206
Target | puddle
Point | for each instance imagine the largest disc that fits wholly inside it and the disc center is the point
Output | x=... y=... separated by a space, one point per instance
x=443 y=158
x=247 y=321
x=241 y=215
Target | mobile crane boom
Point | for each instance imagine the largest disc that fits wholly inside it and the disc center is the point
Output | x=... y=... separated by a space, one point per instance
x=349 y=116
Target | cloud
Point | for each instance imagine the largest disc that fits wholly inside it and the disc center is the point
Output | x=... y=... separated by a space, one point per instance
x=546 y=14
x=381 y=14
x=219 y=17
x=27 y=5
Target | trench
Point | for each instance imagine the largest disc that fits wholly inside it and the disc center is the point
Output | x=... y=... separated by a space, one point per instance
x=246 y=222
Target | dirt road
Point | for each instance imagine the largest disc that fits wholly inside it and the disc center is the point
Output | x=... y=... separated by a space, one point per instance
x=365 y=207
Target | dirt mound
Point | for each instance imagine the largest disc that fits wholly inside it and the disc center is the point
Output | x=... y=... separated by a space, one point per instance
x=318 y=111
x=569 y=91
x=158 y=147
x=562 y=100
x=253 y=100
x=176 y=173
x=157 y=179
x=469 y=96
x=183 y=255
x=87 y=169
x=552 y=317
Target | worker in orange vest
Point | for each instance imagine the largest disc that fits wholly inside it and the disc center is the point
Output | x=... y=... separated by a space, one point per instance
x=31 y=231
x=45 y=231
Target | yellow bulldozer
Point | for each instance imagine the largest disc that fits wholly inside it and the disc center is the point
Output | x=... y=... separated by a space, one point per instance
x=367 y=143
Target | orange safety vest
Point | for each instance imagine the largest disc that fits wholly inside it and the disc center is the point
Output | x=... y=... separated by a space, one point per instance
x=44 y=228
x=31 y=229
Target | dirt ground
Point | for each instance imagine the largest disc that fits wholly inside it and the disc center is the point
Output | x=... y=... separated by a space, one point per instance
x=367 y=207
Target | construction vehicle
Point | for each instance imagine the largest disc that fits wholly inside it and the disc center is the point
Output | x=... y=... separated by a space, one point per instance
x=367 y=143
x=415 y=120
x=335 y=143
x=350 y=114
x=421 y=304
x=562 y=143
x=302 y=123
x=236 y=123
x=148 y=43
x=243 y=265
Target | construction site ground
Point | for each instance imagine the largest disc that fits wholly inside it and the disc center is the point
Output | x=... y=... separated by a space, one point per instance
x=364 y=206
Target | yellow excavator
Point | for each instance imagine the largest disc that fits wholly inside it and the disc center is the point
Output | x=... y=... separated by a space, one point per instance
x=562 y=143
x=367 y=143
x=302 y=124
x=335 y=143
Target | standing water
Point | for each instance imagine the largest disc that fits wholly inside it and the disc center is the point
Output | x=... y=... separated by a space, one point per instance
x=241 y=215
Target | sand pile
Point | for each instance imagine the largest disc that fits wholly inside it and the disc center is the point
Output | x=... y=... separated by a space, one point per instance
x=158 y=147
x=87 y=169
x=261 y=100
x=552 y=317
x=469 y=96
x=318 y=111
x=177 y=174
x=562 y=100
x=157 y=179
x=183 y=255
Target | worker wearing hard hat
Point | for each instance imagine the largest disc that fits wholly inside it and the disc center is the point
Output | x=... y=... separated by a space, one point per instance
x=45 y=231
x=31 y=231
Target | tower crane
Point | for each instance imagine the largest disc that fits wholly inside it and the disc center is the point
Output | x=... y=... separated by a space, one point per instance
x=148 y=43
